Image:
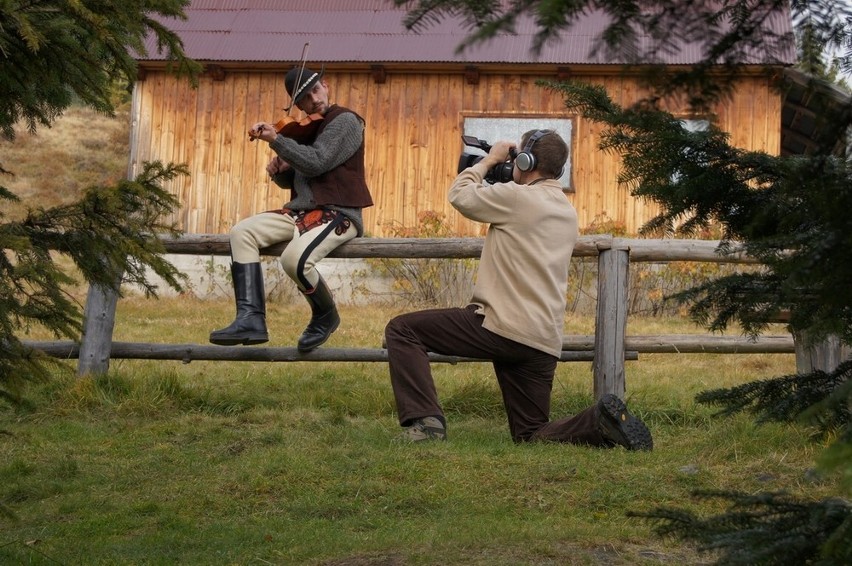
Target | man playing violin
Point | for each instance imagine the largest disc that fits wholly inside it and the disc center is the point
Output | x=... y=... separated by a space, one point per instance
x=324 y=171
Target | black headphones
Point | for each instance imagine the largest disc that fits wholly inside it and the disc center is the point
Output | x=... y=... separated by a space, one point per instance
x=526 y=160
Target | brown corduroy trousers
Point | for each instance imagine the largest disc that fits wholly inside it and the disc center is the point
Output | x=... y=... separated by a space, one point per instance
x=524 y=374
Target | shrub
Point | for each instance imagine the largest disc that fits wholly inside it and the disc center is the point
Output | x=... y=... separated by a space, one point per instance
x=427 y=281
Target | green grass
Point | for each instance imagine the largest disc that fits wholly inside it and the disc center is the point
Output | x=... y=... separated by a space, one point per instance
x=296 y=463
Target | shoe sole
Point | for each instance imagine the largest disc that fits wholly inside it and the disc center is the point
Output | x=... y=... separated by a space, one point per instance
x=244 y=341
x=424 y=433
x=424 y=437
x=621 y=427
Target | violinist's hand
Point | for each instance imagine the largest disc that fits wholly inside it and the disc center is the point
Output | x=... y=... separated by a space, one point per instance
x=263 y=131
x=277 y=165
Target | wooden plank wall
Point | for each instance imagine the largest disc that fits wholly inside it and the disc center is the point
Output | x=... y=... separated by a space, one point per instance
x=413 y=140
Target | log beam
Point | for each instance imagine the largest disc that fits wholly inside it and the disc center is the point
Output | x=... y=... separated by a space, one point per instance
x=187 y=353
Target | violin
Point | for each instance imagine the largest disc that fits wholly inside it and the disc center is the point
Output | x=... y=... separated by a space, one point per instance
x=302 y=131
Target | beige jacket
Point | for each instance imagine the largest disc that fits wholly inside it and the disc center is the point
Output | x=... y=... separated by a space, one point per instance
x=522 y=279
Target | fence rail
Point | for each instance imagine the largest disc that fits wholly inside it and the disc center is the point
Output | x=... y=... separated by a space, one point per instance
x=607 y=349
x=195 y=352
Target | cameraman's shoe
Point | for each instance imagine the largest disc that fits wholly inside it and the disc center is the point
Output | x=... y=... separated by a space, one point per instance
x=621 y=428
x=426 y=428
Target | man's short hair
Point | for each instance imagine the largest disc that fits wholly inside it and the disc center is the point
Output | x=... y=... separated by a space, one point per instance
x=550 y=152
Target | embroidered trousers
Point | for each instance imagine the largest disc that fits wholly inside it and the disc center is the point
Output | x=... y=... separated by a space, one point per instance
x=311 y=237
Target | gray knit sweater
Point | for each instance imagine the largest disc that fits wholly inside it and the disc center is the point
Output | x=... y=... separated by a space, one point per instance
x=340 y=139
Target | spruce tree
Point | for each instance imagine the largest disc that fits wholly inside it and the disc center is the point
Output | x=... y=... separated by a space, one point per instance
x=53 y=53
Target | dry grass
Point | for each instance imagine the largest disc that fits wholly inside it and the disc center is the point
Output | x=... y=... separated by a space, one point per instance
x=54 y=166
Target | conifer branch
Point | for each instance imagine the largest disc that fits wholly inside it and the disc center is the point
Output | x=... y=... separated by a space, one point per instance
x=763 y=529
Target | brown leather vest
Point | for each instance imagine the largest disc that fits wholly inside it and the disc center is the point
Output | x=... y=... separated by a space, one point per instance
x=344 y=185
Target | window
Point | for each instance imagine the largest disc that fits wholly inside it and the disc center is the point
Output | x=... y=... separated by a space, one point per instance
x=496 y=128
x=695 y=125
x=696 y=157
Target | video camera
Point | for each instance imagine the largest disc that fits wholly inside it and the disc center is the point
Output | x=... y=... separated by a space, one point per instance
x=501 y=173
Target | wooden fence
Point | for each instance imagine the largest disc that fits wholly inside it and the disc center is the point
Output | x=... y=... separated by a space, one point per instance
x=607 y=349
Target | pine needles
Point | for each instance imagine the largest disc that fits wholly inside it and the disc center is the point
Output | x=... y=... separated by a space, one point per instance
x=765 y=529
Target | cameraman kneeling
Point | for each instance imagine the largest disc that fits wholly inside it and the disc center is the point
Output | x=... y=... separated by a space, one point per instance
x=516 y=315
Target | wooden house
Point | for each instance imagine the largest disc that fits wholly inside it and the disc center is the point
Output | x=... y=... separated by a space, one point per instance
x=418 y=95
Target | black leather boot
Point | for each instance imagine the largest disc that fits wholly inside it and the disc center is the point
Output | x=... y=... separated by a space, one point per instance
x=249 y=327
x=324 y=319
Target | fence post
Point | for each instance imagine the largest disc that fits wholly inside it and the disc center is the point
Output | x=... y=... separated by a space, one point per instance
x=824 y=355
x=611 y=323
x=98 y=325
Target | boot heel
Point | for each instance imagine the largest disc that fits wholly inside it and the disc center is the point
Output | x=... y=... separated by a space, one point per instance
x=256 y=339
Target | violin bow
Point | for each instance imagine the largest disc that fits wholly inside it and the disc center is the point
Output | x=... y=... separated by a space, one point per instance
x=301 y=72
x=252 y=135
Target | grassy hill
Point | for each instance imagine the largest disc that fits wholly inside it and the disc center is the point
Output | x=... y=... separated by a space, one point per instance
x=54 y=165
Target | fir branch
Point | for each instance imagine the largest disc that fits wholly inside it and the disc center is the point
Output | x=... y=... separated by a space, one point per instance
x=839 y=454
x=763 y=529
x=113 y=232
x=818 y=397
x=55 y=51
x=788 y=212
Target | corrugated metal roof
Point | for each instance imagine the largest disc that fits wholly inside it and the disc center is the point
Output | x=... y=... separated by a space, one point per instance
x=372 y=31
